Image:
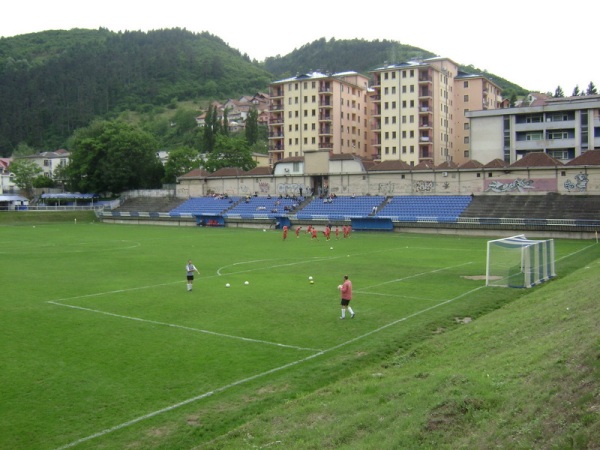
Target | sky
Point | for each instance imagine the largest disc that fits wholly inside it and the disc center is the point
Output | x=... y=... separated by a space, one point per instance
x=530 y=43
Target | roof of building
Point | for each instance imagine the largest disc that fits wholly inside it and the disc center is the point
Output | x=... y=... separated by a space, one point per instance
x=589 y=158
x=537 y=159
x=424 y=165
x=227 y=172
x=388 y=166
x=195 y=173
x=447 y=165
x=496 y=164
x=471 y=164
x=260 y=170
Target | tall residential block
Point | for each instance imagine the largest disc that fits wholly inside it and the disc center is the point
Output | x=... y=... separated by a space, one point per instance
x=319 y=112
x=418 y=110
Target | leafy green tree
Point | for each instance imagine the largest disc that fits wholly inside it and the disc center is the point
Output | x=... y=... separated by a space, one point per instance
x=576 y=91
x=25 y=172
x=211 y=129
x=252 y=127
x=558 y=93
x=230 y=152
x=42 y=181
x=591 y=89
x=113 y=157
x=181 y=160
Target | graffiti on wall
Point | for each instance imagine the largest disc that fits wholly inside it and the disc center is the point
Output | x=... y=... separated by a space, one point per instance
x=424 y=186
x=293 y=189
x=385 y=188
x=518 y=185
x=580 y=184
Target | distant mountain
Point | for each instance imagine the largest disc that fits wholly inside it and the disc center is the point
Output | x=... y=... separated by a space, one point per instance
x=54 y=82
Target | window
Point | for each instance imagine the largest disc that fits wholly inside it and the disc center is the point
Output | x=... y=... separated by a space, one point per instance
x=466 y=139
x=404 y=149
x=465 y=84
x=558 y=135
x=404 y=89
x=466 y=98
x=466 y=126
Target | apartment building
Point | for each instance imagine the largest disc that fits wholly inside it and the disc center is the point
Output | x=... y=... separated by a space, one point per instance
x=563 y=128
x=319 y=112
x=419 y=108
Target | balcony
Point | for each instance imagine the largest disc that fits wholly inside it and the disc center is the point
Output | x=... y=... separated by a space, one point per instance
x=325 y=117
x=276 y=107
x=274 y=93
x=425 y=93
x=325 y=131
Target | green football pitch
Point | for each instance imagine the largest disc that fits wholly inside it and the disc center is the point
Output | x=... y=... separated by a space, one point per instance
x=103 y=346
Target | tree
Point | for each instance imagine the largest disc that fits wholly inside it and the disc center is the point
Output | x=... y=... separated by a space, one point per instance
x=113 y=157
x=559 y=92
x=230 y=152
x=180 y=161
x=211 y=129
x=251 y=129
x=591 y=89
x=25 y=172
x=576 y=92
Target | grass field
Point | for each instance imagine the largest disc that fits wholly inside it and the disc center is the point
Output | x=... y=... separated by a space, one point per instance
x=103 y=347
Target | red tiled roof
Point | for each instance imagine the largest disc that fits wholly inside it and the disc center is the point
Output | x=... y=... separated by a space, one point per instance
x=471 y=164
x=196 y=173
x=589 y=158
x=447 y=165
x=424 y=165
x=537 y=159
x=260 y=170
x=387 y=166
x=496 y=164
x=228 y=172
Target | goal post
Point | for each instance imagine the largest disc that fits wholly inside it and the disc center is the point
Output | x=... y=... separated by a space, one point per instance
x=519 y=262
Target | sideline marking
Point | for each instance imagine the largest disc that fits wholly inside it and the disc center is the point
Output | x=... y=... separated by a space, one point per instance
x=260 y=375
x=182 y=327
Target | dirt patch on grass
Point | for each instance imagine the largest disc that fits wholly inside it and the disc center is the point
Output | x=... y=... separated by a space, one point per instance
x=479 y=277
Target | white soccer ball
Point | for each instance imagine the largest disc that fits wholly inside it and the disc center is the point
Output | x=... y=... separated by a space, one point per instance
x=264 y=230
x=330 y=248
x=227 y=285
x=340 y=286
x=310 y=278
x=246 y=283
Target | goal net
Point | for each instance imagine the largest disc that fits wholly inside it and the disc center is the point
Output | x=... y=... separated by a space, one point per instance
x=519 y=262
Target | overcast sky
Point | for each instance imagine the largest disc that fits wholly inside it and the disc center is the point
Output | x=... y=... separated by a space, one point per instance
x=537 y=45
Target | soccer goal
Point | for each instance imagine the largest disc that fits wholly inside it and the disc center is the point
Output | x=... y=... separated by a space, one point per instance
x=519 y=262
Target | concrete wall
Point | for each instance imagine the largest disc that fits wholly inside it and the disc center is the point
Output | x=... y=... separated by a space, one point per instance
x=564 y=180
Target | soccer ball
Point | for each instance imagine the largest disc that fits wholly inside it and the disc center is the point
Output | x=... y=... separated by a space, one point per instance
x=312 y=282
x=227 y=285
x=310 y=278
x=330 y=248
x=246 y=283
x=264 y=231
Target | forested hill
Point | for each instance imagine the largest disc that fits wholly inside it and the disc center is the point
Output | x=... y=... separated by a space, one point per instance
x=54 y=82
x=362 y=56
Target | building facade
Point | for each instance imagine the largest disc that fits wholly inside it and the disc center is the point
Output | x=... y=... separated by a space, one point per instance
x=563 y=128
x=419 y=108
x=318 y=112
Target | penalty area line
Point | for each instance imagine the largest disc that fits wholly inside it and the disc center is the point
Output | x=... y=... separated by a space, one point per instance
x=183 y=327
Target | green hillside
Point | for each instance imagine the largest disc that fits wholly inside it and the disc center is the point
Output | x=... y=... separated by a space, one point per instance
x=54 y=82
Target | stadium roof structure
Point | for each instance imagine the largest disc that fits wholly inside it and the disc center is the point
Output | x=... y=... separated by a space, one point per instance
x=12 y=198
x=70 y=196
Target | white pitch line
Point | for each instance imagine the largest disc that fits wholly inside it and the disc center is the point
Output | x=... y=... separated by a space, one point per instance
x=183 y=327
x=416 y=275
x=260 y=375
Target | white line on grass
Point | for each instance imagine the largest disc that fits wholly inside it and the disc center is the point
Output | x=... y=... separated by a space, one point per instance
x=416 y=275
x=182 y=327
x=260 y=375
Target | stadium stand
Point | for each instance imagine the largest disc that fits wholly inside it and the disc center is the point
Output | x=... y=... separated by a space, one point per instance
x=264 y=207
x=340 y=208
x=205 y=205
x=430 y=208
